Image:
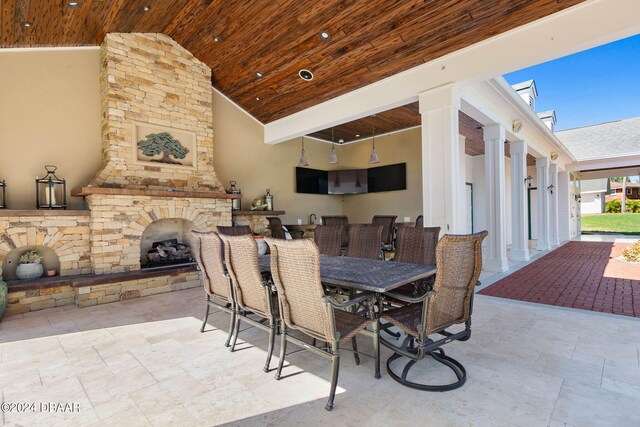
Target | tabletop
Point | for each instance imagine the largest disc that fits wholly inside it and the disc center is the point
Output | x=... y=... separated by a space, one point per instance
x=365 y=274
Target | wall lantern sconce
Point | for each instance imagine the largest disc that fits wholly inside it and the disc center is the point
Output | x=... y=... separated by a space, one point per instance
x=550 y=188
x=516 y=126
x=578 y=197
x=528 y=180
x=3 y=194
x=51 y=191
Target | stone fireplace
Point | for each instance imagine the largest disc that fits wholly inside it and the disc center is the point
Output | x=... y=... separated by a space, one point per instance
x=148 y=81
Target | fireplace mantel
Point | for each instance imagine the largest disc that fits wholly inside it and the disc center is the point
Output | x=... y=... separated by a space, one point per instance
x=88 y=191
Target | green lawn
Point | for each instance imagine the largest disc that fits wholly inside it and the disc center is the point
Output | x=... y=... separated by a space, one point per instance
x=628 y=223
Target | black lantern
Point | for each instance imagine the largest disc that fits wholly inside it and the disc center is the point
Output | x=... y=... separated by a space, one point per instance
x=51 y=191
x=236 y=204
x=3 y=194
x=268 y=200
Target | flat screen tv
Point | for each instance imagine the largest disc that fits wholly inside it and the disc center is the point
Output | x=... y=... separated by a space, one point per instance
x=311 y=181
x=352 y=181
x=387 y=178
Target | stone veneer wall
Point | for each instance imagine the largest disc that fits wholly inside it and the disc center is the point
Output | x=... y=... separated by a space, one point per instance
x=149 y=78
x=24 y=301
x=67 y=235
x=111 y=292
x=258 y=223
x=117 y=223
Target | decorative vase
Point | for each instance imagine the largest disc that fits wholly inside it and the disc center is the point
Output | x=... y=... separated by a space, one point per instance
x=262 y=246
x=4 y=290
x=29 y=271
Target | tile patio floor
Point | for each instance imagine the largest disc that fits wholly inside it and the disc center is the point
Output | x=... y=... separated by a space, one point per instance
x=144 y=362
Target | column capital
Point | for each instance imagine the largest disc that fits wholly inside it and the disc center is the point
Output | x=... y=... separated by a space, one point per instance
x=493 y=131
x=553 y=168
x=518 y=147
x=542 y=162
x=447 y=95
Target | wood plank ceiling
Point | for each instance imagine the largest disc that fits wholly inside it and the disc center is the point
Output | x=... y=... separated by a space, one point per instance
x=406 y=117
x=369 y=39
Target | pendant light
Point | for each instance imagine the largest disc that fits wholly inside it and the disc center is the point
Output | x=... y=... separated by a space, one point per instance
x=303 y=157
x=374 y=156
x=333 y=157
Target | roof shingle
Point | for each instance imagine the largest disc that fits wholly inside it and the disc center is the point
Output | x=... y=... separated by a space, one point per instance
x=612 y=139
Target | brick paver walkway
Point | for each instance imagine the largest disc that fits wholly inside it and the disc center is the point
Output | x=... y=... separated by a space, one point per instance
x=583 y=275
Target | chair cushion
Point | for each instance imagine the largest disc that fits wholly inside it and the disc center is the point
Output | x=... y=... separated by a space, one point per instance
x=349 y=324
x=406 y=318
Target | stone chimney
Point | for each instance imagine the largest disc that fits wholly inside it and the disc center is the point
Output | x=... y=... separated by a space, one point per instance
x=153 y=88
x=548 y=118
x=527 y=90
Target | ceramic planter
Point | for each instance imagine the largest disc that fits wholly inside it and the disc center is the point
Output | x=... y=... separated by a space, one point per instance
x=4 y=290
x=29 y=271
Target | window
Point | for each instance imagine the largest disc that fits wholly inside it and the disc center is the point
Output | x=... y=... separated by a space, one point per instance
x=629 y=191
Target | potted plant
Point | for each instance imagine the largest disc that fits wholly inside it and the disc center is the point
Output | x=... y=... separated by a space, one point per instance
x=30 y=266
x=3 y=297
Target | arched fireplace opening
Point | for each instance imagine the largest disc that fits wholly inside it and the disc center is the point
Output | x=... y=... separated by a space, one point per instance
x=167 y=243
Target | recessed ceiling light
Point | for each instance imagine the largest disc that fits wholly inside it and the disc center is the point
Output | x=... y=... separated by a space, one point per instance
x=324 y=35
x=257 y=98
x=357 y=135
x=341 y=141
x=72 y=4
x=146 y=8
x=26 y=24
x=259 y=75
x=305 y=75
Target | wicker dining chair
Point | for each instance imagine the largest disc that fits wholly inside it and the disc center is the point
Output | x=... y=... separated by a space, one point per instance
x=414 y=246
x=275 y=225
x=295 y=268
x=365 y=241
x=329 y=239
x=450 y=302
x=419 y=221
x=417 y=245
x=388 y=226
x=208 y=250
x=253 y=294
x=338 y=220
x=236 y=230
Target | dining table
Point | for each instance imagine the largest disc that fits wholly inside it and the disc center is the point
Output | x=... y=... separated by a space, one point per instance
x=367 y=275
x=358 y=275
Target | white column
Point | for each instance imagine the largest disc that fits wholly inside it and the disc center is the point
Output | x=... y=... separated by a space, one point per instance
x=554 y=240
x=441 y=178
x=494 y=138
x=565 y=202
x=542 y=182
x=519 y=214
x=464 y=208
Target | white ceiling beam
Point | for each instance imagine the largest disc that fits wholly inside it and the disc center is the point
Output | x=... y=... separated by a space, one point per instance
x=622 y=162
x=574 y=29
x=610 y=173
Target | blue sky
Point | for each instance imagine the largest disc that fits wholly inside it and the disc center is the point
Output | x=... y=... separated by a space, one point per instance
x=595 y=86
